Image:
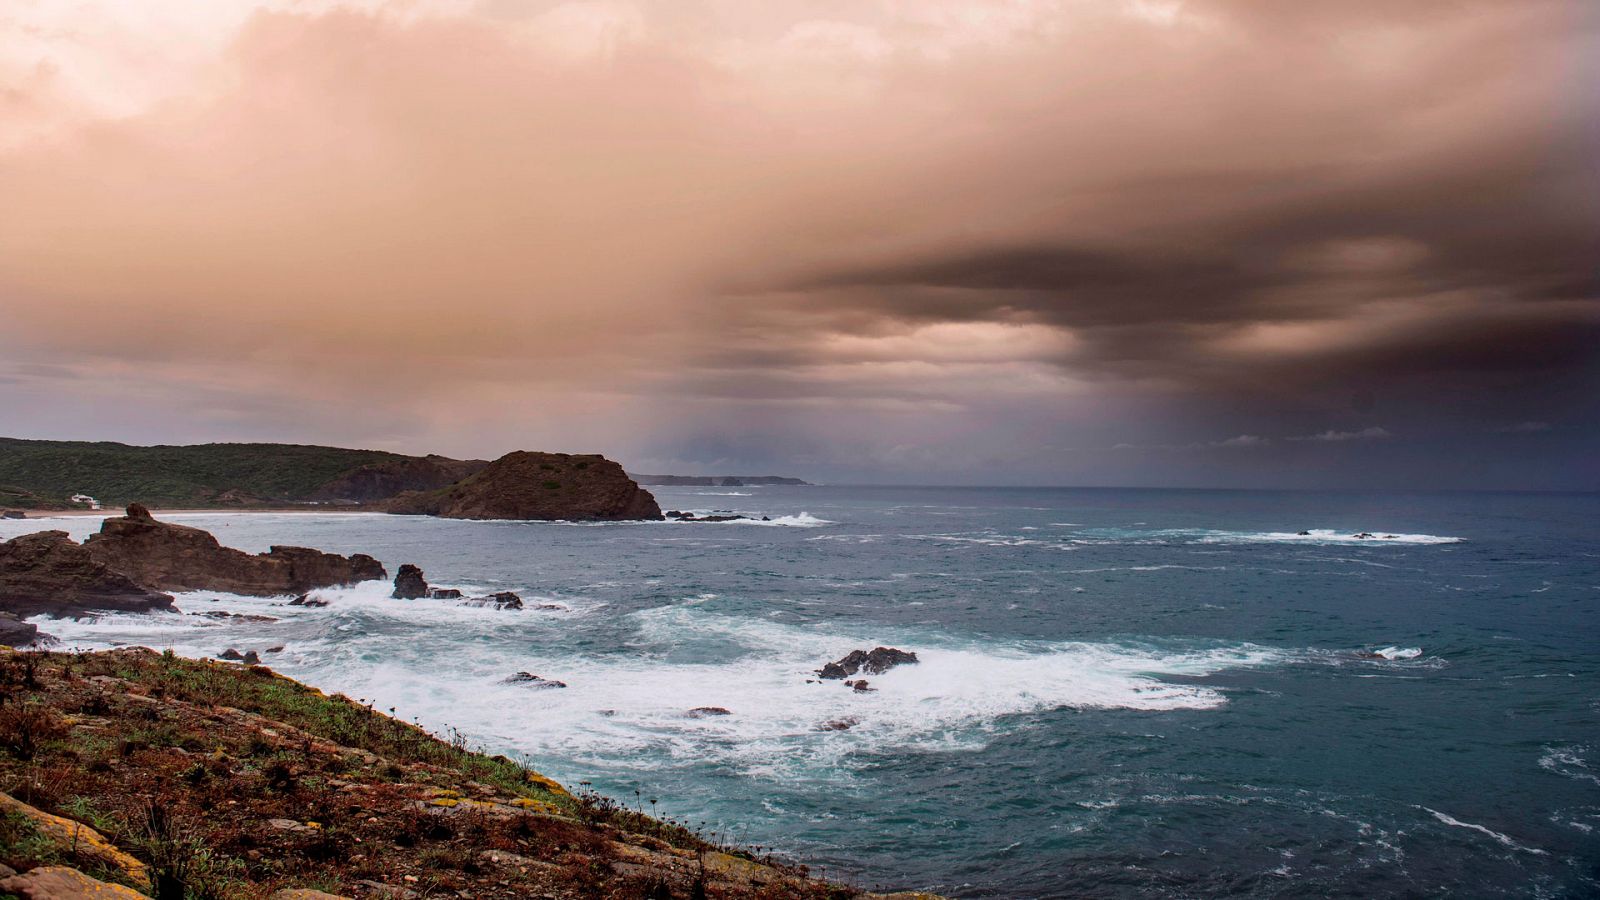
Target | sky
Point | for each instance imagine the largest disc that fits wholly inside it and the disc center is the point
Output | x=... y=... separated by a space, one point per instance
x=1203 y=243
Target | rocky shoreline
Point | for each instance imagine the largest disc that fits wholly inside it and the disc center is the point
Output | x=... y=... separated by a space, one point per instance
x=130 y=774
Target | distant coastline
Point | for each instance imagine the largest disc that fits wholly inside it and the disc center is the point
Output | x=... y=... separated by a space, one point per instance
x=715 y=480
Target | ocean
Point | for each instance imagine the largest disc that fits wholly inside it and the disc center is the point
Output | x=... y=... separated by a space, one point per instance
x=1120 y=693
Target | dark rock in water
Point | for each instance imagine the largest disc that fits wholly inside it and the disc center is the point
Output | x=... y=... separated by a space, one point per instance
x=180 y=558
x=1363 y=535
x=873 y=662
x=501 y=600
x=675 y=514
x=251 y=658
x=547 y=486
x=16 y=633
x=277 y=649
x=219 y=614
x=231 y=655
x=443 y=594
x=701 y=712
x=13 y=514
x=1303 y=533
x=532 y=680
x=844 y=724
x=308 y=600
x=710 y=517
x=860 y=686
x=409 y=583
x=50 y=573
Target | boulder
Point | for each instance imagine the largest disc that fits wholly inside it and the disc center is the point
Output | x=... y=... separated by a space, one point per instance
x=409 y=583
x=844 y=724
x=231 y=655
x=13 y=514
x=543 y=486
x=74 y=840
x=64 y=883
x=873 y=662
x=308 y=600
x=532 y=680
x=443 y=594
x=180 y=558
x=50 y=573
x=501 y=600
x=16 y=633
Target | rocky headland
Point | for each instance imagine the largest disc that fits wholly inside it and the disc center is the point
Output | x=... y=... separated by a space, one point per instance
x=48 y=573
x=133 y=774
x=172 y=557
x=538 y=486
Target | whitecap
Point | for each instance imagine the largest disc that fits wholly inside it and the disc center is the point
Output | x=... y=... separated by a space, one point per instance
x=1471 y=826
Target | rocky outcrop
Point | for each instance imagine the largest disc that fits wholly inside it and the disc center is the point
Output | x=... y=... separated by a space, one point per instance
x=16 y=633
x=532 y=680
x=873 y=662
x=409 y=583
x=50 y=573
x=63 y=883
x=179 y=558
x=541 y=486
x=381 y=481
x=498 y=600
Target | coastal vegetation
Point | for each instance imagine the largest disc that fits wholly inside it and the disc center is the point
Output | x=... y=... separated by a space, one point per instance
x=211 y=780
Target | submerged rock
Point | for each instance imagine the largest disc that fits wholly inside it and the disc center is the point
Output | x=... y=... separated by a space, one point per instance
x=701 y=712
x=409 y=583
x=443 y=594
x=180 y=558
x=844 y=724
x=532 y=680
x=873 y=662
x=50 y=573
x=308 y=600
x=548 y=486
x=500 y=600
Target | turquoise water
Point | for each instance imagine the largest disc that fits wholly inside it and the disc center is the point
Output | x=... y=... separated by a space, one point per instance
x=1120 y=693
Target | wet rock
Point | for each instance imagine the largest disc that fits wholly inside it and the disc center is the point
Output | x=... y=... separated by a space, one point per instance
x=277 y=649
x=13 y=514
x=537 y=681
x=1303 y=533
x=231 y=655
x=48 y=572
x=409 y=583
x=859 y=686
x=242 y=617
x=251 y=658
x=308 y=600
x=179 y=558
x=443 y=594
x=844 y=724
x=16 y=633
x=701 y=712
x=501 y=600
x=873 y=662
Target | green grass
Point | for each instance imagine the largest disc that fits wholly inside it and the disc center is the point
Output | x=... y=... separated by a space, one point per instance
x=37 y=474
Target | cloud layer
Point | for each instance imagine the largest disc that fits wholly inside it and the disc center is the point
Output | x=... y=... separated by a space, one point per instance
x=981 y=241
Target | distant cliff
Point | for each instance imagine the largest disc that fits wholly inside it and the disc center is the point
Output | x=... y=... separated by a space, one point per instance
x=527 y=485
x=715 y=480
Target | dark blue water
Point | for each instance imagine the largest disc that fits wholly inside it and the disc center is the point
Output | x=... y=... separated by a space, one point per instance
x=1121 y=692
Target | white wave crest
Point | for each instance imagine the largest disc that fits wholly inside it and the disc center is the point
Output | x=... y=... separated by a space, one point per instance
x=1399 y=652
x=1498 y=837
